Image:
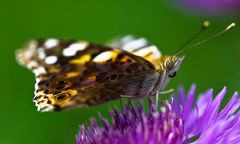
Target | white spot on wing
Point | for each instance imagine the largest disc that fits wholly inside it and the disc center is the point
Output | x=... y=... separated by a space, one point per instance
x=104 y=56
x=135 y=44
x=73 y=48
x=32 y=64
x=119 y=43
x=25 y=55
x=155 y=51
x=127 y=39
x=32 y=46
x=142 y=52
x=36 y=85
x=50 y=43
x=148 y=50
x=51 y=59
x=39 y=70
x=43 y=108
x=41 y=53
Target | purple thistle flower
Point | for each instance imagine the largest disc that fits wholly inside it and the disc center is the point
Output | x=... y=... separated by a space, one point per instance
x=182 y=120
x=214 y=7
x=133 y=125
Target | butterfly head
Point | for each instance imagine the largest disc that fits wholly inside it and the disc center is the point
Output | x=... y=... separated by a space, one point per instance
x=171 y=65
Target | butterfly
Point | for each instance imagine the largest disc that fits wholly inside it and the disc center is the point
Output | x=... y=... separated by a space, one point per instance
x=76 y=73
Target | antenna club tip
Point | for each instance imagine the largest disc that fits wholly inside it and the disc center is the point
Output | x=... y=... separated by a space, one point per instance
x=231 y=26
x=206 y=24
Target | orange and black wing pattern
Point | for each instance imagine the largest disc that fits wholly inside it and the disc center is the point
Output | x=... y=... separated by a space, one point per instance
x=72 y=73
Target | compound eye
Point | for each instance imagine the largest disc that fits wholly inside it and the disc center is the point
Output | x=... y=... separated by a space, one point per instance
x=169 y=65
x=172 y=75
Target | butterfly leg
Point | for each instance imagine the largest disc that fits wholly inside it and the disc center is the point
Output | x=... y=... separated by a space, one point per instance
x=161 y=93
x=157 y=97
x=127 y=96
x=170 y=91
x=129 y=103
x=121 y=103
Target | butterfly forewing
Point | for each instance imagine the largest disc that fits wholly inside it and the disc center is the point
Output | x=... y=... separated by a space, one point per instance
x=79 y=73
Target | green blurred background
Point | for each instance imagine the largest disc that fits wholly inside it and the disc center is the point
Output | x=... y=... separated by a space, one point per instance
x=212 y=65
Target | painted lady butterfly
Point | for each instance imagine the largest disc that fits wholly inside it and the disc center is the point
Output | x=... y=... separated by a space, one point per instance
x=73 y=73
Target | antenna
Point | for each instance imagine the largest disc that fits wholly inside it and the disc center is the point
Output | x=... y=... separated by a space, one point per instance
x=182 y=49
x=205 y=25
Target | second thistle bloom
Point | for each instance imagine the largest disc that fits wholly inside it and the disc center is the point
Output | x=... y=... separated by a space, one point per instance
x=211 y=7
x=204 y=121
